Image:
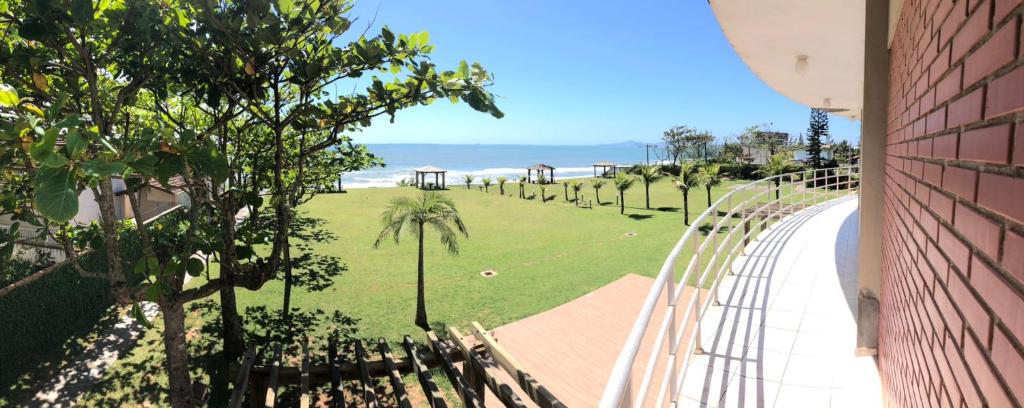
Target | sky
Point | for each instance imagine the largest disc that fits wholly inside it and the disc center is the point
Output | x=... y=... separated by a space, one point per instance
x=575 y=72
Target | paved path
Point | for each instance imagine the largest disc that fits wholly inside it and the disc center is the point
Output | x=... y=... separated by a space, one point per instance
x=785 y=334
x=81 y=374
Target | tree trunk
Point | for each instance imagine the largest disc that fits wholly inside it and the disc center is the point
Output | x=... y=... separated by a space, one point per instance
x=231 y=325
x=179 y=379
x=686 y=208
x=421 y=301
x=501 y=189
x=597 y=196
x=566 y=188
x=108 y=221
x=622 y=202
x=287 y=304
x=647 y=196
x=776 y=189
x=709 y=195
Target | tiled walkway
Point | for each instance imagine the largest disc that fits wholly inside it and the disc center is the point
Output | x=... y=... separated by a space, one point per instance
x=785 y=333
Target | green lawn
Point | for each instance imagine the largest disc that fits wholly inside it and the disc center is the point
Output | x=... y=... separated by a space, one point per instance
x=545 y=254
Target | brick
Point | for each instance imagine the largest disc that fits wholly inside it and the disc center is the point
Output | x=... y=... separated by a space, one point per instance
x=942 y=205
x=930 y=225
x=963 y=378
x=974 y=314
x=1013 y=255
x=981 y=232
x=924 y=148
x=949 y=86
x=952 y=23
x=990 y=144
x=1002 y=194
x=965 y=110
x=949 y=314
x=960 y=182
x=936 y=121
x=1004 y=301
x=938 y=67
x=993 y=392
x=1009 y=362
x=918 y=129
x=975 y=28
x=940 y=264
x=944 y=147
x=1006 y=94
x=1004 y=7
x=955 y=249
x=1018 y=146
x=994 y=54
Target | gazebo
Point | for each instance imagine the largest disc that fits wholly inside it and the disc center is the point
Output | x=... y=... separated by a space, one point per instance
x=540 y=168
x=608 y=169
x=439 y=178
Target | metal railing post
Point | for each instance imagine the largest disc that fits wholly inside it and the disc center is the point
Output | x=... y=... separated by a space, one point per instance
x=696 y=292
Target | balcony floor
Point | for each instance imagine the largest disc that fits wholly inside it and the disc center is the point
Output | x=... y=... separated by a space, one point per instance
x=785 y=334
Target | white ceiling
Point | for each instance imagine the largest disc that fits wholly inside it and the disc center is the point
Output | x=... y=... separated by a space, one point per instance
x=772 y=36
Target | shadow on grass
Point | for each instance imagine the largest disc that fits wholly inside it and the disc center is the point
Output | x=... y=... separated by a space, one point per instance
x=705 y=229
x=668 y=209
x=639 y=216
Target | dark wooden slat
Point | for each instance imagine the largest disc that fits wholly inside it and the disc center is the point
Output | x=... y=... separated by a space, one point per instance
x=462 y=386
x=504 y=391
x=304 y=396
x=474 y=378
x=271 y=398
x=369 y=397
x=537 y=392
x=337 y=393
x=242 y=379
x=426 y=380
x=397 y=386
x=320 y=373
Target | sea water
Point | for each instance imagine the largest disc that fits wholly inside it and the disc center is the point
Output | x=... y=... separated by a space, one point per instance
x=490 y=161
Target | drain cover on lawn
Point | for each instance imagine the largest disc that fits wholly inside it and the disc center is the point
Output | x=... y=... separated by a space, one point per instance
x=488 y=273
x=630 y=234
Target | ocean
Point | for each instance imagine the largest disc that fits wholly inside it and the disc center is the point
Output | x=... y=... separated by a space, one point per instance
x=489 y=161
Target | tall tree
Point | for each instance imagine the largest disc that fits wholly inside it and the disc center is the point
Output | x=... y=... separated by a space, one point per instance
x=468 y=179
x=622 y=182
x=406 y=215
x=687 y=180
x=710 y=176
x=597 y=184
x=676 y=142
x=648 y=174
x=817 y=133
x=776 y=166
x=112 y=78
x=501 y=184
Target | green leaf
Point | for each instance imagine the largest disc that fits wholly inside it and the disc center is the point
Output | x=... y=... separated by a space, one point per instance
x=463 y=69
x=211 y=162
x=194 y=267
x=100 y=169
x=139 y=316
x=81 y=11
x=153 y=292
x=55 y=195
x=8 y=96
x=75 y=142
x=42 y=150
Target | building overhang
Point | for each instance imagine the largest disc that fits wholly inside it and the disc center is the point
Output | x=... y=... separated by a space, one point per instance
x=809 y=51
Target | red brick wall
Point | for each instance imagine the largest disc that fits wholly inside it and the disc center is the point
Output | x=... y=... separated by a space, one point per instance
x=952 y=302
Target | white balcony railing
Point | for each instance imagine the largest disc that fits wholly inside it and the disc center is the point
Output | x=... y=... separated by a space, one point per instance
x=704 y=249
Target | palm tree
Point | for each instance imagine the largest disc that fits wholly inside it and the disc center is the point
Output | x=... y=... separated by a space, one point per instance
x=776 y=165
x=487 y=184
x=710 y=176
x=576 y=186
x=543 y=192
x=406 y=214
x=565 y=186
x=686 y=180
x=501 y=184
x=648 y=174
x=622 y=182
x=522 y=187
x=468 y=179
x=597 y=184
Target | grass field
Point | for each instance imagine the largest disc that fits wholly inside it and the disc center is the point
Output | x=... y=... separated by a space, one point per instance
x=545 y=254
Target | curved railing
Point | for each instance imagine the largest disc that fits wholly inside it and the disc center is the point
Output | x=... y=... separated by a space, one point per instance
x=762 y=201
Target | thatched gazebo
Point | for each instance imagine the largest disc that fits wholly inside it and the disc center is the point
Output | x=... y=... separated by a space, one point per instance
x=540 y=168
x=439 y=178
x=608 y=169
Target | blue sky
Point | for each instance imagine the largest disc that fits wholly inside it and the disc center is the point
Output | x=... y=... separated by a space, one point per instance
x=584 y=72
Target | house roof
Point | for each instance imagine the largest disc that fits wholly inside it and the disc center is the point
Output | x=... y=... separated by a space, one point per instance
x=605 y=163
x=430 y=169
x=174 y=184
x=541 y=166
